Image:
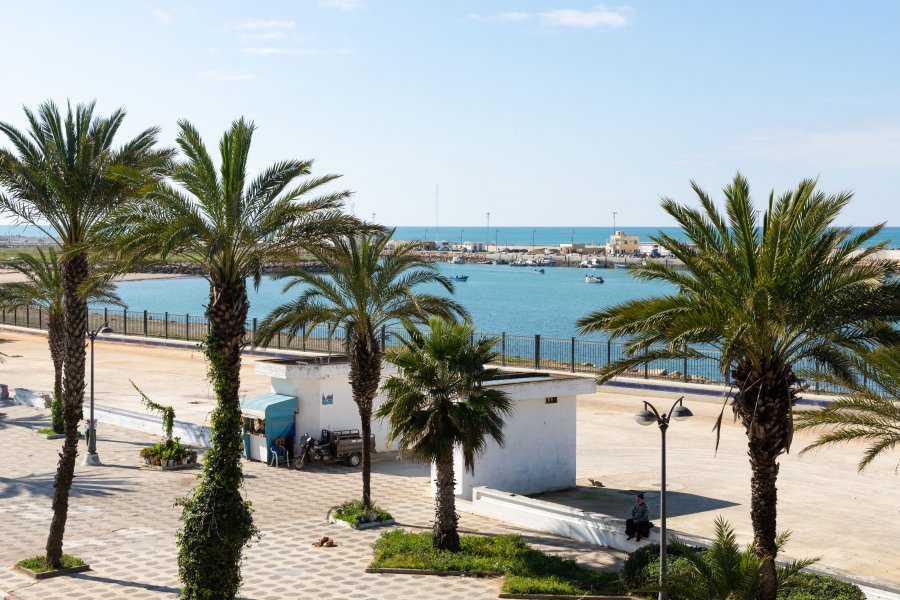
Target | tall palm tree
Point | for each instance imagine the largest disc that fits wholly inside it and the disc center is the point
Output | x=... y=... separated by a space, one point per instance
x=771 y=297
x=438 y=402
x=43 y=288
x=870 y=411
x=363 y=288
x=64 y=176
x=230 y=227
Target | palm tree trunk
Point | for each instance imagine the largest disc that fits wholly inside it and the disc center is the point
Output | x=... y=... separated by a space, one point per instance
x=445 y=536
x=763 y=514
x=56 y=339
x=365 y=377
x=217 y=521
x=764 y=406
x=74 y=272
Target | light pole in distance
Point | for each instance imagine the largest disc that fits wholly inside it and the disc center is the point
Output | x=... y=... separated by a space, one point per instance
x=91 y=457
x=649 y=416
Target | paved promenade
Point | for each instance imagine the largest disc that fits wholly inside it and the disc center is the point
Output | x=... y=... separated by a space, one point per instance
x=852 y=520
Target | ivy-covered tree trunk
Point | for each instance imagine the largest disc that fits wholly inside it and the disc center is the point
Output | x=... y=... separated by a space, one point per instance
x=764 y=407
x=216 y=520
x=365 y=377
x=56 y=339
x=74 y=273
x=445 y=535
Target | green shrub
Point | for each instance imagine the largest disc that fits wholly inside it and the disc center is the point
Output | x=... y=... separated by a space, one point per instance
x=168 y=450
x=355 y=513
x=56 y=416
x=819 y=587
x=38 y=564
x=634 y=573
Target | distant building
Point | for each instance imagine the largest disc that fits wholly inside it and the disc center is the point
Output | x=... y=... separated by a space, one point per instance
x=620 y=243
x=474 y=247
x=572 y=248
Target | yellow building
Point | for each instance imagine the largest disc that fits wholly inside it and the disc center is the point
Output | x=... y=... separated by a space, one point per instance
x=619 y=243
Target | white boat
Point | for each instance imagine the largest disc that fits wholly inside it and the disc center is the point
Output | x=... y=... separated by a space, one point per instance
x=621 y=266
x=457 y=260
x=593 y=279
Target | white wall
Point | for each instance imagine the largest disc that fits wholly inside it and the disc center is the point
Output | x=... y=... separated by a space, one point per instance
x=538 y=453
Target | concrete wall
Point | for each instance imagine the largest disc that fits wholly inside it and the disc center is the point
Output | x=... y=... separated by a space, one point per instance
x=538 y=453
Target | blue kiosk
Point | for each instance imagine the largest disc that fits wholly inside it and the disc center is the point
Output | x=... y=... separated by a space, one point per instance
x=268 y=423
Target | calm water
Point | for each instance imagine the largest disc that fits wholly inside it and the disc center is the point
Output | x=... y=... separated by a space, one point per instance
x=513 y=236
x=500 y=298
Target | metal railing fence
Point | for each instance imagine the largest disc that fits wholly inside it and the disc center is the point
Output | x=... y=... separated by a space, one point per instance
x=536 y=352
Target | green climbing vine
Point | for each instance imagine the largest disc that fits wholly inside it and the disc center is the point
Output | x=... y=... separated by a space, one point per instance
x=217 y=521
x=166 y=412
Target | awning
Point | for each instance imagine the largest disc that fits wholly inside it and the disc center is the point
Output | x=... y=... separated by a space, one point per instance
x=256 y=406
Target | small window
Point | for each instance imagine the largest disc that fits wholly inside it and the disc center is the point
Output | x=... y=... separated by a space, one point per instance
x=550 y=400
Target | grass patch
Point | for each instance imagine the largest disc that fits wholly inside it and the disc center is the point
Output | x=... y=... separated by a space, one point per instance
x=38 y=564
x=49 y=431
x=526 y=570
x=353 y=512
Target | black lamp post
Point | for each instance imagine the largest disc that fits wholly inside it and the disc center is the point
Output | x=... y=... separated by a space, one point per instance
x=649 y=416
x=91 y=457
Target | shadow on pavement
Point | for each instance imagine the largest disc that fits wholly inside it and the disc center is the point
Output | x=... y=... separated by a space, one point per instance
x=131 y=584
x=42 y=485
x=617 y=502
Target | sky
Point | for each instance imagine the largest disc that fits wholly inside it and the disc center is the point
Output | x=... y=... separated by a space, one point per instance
x=541 y=112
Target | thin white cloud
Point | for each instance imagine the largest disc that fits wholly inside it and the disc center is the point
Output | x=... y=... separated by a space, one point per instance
x=343 y=5
x=161 y=16
x=227 y=75
x=270 y=24
x=592 y=18
x=279 y=51
x=869 y=146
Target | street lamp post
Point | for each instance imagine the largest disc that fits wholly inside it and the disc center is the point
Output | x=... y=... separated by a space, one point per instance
x=91 y=458
x=648 y=416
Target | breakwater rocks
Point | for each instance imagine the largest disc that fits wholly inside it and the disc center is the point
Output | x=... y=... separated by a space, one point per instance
x=184 y=268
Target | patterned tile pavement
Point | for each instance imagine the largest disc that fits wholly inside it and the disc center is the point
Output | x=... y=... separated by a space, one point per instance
x=122 y=520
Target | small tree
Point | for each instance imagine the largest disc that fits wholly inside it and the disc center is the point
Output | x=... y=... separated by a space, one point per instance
x=438 y=402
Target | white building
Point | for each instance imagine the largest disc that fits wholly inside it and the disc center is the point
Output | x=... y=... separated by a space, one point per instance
x=474 y=247
x=539 y=449
x=538 y=452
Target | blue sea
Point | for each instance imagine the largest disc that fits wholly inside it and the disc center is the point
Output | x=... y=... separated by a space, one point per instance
x=515 y=300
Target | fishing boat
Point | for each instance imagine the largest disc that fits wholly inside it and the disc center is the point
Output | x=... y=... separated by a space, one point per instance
x=621 y=266
x=593 y=279
x=500 y=261
x=541 y=271
x=457 y=260
x=459 y=278
x=519 y=263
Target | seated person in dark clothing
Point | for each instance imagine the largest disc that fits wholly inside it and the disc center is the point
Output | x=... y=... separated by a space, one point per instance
x=639 y=523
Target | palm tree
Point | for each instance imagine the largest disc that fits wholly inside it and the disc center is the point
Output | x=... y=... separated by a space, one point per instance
x=771 y=298
x=229 y=227
x=438 y=402
x=869 y=412
x=363 y=289
x=43 y=288
x=725 y=572
x=64 y=176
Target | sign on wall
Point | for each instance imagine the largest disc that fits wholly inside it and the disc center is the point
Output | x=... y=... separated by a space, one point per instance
x=327 y=399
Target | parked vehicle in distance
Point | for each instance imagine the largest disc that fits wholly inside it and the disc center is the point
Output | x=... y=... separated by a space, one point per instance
x=334 y=446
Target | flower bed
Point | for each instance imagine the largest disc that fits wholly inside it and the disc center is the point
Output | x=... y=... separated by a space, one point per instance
x=169 y=453
x=37 y=567
x=353 y=514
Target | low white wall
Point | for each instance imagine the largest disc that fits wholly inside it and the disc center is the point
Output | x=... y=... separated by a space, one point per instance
x=190 y=433
x=558 y=519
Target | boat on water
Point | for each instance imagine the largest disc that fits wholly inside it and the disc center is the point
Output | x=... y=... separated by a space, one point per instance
x=500 y=262
x=590 y=263
x=541 y=271
x=459 y=278
x=593 y=279
x=541 y=262
x=519 y=263
x=457 y=260
x=621 y=266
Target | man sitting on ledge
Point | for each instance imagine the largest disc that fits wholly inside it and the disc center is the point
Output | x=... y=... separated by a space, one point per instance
x=639 y=523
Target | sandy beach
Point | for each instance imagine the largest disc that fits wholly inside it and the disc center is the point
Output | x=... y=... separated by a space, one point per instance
x=10 y=276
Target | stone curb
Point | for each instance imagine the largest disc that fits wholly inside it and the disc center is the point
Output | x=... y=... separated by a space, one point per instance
x=361 y=526
x=54 y=573
x=395 y=571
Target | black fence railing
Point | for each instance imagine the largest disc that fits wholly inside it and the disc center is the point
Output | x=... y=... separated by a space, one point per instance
x=572 y=354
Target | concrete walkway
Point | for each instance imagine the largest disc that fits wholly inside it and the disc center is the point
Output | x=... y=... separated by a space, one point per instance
x=822 y=498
